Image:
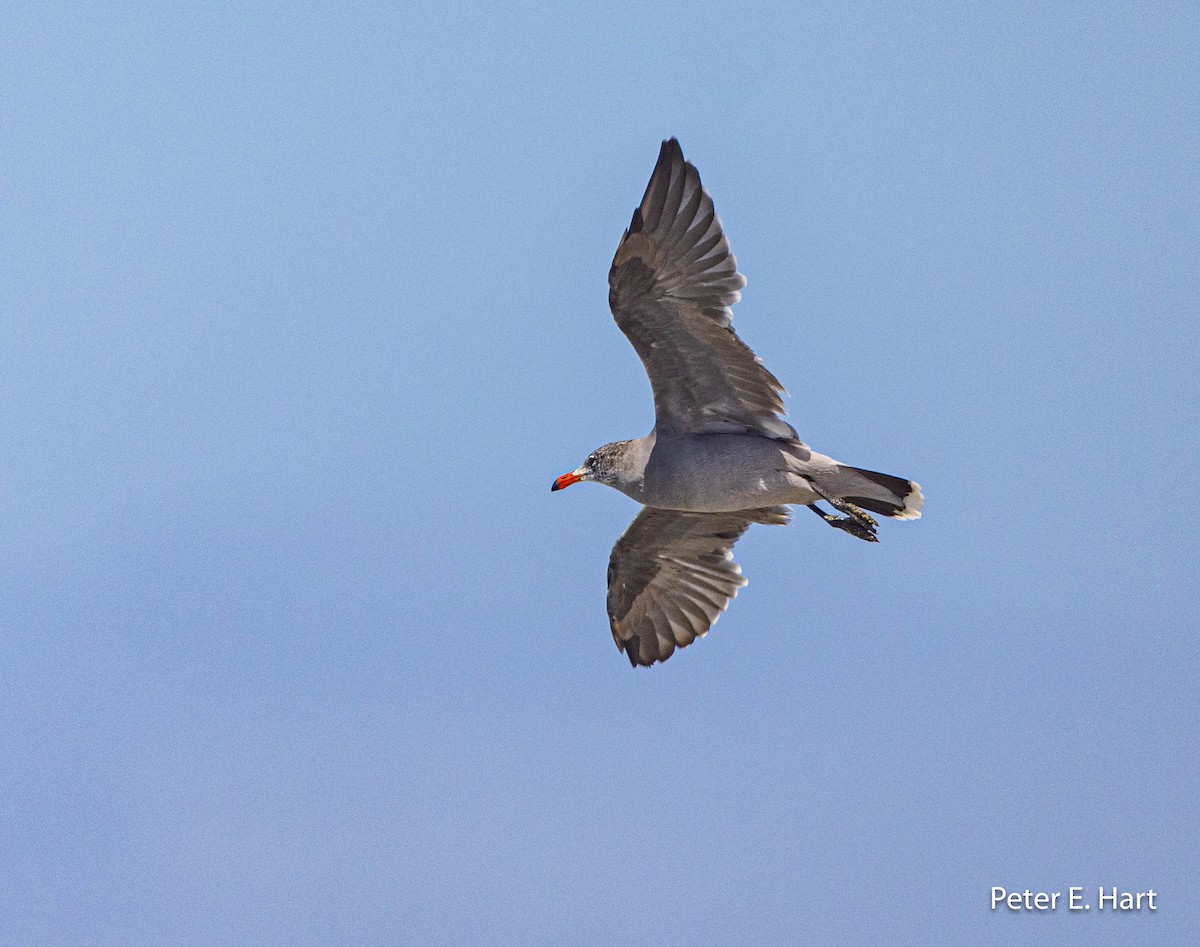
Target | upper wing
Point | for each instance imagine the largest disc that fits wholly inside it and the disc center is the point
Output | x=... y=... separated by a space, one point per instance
x=670 y=576
x=672 y=282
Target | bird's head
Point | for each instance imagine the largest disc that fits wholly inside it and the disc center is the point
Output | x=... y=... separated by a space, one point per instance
x=603 y=465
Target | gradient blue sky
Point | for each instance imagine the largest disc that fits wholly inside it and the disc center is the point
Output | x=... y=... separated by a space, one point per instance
x=305 y=306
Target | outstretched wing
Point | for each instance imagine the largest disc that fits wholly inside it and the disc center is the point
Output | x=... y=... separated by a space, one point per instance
x=672 y=574
x=672 y=282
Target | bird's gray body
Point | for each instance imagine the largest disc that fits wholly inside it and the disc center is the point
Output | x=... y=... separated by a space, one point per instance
x=720 y=473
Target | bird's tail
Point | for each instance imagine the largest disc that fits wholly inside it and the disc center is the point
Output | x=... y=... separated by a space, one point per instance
x=880 y=493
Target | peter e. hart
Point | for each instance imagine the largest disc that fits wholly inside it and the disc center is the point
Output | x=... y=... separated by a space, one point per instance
x=1110 y=899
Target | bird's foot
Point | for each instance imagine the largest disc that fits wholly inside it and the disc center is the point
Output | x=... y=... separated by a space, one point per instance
x=860 y=515
x=862 y=527
x=842 y=506
x=855 y=527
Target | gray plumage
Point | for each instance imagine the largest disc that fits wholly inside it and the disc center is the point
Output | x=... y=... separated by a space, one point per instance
x=720 y=457
x=672 y=574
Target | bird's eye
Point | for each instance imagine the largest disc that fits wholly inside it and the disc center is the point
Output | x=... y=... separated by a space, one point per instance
x=591 y=461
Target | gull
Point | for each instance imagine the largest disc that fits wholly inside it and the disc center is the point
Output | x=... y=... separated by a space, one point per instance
x=720 y=456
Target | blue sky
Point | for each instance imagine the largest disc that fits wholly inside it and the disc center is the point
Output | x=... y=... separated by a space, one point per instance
x=306 y=306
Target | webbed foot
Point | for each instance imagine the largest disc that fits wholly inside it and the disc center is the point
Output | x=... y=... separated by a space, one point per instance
x=861 y=526
x=854 y=527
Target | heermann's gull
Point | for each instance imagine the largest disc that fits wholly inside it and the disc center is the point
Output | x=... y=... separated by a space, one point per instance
x=720 y=456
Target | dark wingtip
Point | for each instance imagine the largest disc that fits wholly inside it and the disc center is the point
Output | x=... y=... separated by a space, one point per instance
x=637 y=224
x=669 y=154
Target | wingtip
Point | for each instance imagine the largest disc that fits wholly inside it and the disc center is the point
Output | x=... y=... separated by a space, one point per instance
x=671 y=153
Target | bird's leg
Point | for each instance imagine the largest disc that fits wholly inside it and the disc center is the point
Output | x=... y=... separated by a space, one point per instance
x=844 y=506
x=847 y=523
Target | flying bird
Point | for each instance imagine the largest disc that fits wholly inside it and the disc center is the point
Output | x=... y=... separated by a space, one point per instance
x=720 y=456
